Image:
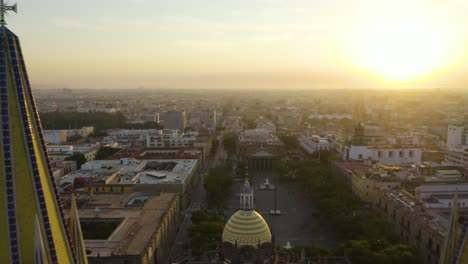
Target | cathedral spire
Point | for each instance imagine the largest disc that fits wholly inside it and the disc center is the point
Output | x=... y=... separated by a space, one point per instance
x=32 y=223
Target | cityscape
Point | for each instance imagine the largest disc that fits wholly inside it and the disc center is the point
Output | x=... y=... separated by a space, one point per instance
x=264 y=168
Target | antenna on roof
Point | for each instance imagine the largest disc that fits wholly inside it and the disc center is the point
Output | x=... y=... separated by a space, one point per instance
x=5 y=8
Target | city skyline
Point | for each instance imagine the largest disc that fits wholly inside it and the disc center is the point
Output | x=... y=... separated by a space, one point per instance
x=256 y=44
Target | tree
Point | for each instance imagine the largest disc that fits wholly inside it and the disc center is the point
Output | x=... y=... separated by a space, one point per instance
x=217 y=185
x=214 y=147
x=370 y=237
x=79 y=158
x=105 y=152
x=205 y=231
x=289 y=141
x=230 y=144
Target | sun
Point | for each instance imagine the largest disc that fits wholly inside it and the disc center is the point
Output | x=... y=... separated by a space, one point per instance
x=400 y=50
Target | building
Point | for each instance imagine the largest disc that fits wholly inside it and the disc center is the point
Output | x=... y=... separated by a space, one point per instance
x=58 y=153
x=287 y=117
x=62 y=136
x=247 y=230
x=422 y=219
x=55 y=136
x=457 y=156
x=131 y=138
x=33 y=228
x=359 y=149
x=442 y=195
x=88 y=150
x=203 y=119
x=367 y=184
x=265 y=124
x=173 y=120
x=168 y=175
x=260 y=148
x=132 y=227
x=457 y=135
x=387 y=154
x=233 y=125
x=169 y=138
x=96 y=110
x=313 y=143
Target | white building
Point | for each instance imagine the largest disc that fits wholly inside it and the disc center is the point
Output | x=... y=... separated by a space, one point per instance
x=456 y=135
x=169 y=138
x=60 y=148
x=387 y=154
x=457 y=156
x=442 y=196
x=313 y=143
x=55 y=136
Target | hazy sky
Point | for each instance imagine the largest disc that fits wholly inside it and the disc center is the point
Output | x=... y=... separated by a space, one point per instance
x=223 y=43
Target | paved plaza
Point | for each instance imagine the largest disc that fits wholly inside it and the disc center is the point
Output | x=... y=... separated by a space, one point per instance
x=296 y=224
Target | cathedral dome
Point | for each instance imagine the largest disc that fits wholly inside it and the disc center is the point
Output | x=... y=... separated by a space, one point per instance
x=246 y=228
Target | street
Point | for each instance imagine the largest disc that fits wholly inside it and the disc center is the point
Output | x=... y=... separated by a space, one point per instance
x=198 y=201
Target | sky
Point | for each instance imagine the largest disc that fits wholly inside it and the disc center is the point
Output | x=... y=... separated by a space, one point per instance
x=243 y=44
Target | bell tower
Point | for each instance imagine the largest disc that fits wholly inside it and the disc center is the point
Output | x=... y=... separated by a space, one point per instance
x=247 y=196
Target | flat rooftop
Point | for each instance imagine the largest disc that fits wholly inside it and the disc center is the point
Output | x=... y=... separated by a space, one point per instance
x=132 y=171
x=136 y=217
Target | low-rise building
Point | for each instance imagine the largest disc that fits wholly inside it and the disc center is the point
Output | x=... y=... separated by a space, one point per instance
x=173 y=175
x=313 y=143
x=128 y=227
x=169 y=138
x=287 y=117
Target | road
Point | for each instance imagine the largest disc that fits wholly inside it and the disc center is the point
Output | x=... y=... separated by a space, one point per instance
x=198 y=201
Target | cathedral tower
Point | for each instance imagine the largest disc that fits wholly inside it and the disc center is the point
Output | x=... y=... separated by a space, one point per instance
x=32 y=224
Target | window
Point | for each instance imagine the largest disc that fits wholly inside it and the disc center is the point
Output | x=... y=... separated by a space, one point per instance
x=402 y=154
x=390 y=154
x=411 y=153
x=379 y=154
x=360 y=156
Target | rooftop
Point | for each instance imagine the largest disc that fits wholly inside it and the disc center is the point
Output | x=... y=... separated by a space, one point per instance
x=132 y=171
x=136 y=224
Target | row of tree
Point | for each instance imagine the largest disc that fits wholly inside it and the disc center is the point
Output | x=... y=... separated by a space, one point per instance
x=366 y=236
x=218 y=183
x=205 y=231
x=100 y=121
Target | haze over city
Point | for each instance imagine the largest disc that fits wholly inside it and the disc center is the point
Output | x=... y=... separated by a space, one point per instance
x=234 y=132
x=244 y=44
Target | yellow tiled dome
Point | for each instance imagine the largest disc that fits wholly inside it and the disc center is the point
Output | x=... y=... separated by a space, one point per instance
x=246 y=228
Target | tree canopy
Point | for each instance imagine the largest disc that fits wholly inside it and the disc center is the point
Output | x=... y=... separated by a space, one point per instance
x=230 y=144
x=79 y=158
x=105 y=152
x=367 y=237
x=218 y=183
x=205 y=231
x=289 y=141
